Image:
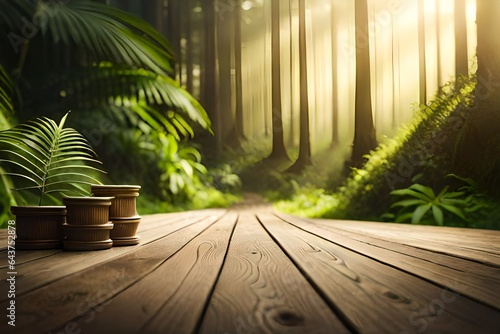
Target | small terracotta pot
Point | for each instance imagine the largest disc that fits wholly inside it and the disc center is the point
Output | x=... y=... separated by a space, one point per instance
x=124 y=203
x=39 y=227
x=87 y=232
x=87 y=210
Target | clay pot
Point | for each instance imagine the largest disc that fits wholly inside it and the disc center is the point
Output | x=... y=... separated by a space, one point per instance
x=87 y=232
x=122 y=212
x=124 y=203
x=123 y=232
x=87 y=237
x=39 y=227
x=87 y=210
x=88 y=226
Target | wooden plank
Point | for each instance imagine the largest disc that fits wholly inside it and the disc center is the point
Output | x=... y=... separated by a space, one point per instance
x=374 y=297
x=3 y=239
x=147 y=223
x=487 y=240
x=468 y=278
x=88 y=292
x=480 y=246
x=260 y=290
x=33 y=275
x=171 y=299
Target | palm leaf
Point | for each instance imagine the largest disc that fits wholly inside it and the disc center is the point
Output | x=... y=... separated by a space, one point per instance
x=6 y=103
x=157 y=99
x=105 y=33
x=48 y=158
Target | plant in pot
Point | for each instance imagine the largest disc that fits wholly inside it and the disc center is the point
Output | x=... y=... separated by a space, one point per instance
x=45 y=162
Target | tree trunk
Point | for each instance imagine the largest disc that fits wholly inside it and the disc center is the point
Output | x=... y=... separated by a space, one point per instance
x=224 y=28
x=438 y=45
x=335 y=46
x=478 y=153
x=421 y=53
x=461 y=61
x=364 y=131
x=189 y=46
x=304 y=158
x=237 y=130
x=209 y=78
x=278 y=148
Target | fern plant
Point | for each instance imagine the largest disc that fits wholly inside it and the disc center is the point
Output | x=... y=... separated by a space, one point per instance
x=48 y=160
x=421 y=204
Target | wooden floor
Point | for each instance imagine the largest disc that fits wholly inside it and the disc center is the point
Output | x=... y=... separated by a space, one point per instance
x=249 y=270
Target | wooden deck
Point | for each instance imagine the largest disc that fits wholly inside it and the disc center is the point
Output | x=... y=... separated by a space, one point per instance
x=250 y=270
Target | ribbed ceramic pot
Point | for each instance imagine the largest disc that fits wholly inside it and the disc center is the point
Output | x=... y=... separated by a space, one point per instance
x=124 y=230
x=87 y=232
x=72 y=245
x=39 y=227
x=87 y=210
x=124 y=202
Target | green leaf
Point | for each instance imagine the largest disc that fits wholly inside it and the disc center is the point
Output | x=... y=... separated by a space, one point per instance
x=404 y=217
x=409 y=192
x=408 y=202
x=438 y=214
x=48 y=156
x=454 y=210
x=420 y=212
x=427 y=191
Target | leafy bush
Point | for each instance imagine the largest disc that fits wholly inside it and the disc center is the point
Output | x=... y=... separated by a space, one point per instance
x=420 y=205
x=424 y=148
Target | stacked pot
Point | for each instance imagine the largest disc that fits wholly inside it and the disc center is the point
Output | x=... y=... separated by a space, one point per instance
x=122 y=212
x=87 y=223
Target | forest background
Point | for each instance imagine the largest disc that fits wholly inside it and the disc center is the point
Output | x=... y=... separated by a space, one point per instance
x=374 y=110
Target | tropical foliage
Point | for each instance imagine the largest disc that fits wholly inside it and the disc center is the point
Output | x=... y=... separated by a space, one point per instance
x=419 y=204
x=108 y=67
x=48 y=160
x=422 y=150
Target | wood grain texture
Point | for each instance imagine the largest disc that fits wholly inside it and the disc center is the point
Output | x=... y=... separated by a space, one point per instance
x=85 y=294
x=260 y=290
x=147 y=223
x=477 y=245
x=47 y=269
x=468 y=278
x=171 y=299
x=374 y=297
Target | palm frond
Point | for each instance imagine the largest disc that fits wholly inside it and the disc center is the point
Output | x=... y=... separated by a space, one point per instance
x=157 y=99
x=6 y=103
x=105 y=33
x=45 y=157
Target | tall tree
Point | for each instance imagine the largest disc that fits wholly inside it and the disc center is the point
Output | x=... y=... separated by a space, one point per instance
x=364 y=131
x=189 y=45
x=209 y=75
x=278 y=147
x=461 y=61
x=438 y=44
x=335 y=46
x=304 y=158
x=421 y=53
x=174 y=33
x=236 y=134
x=478 y=153
x=225 y=26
